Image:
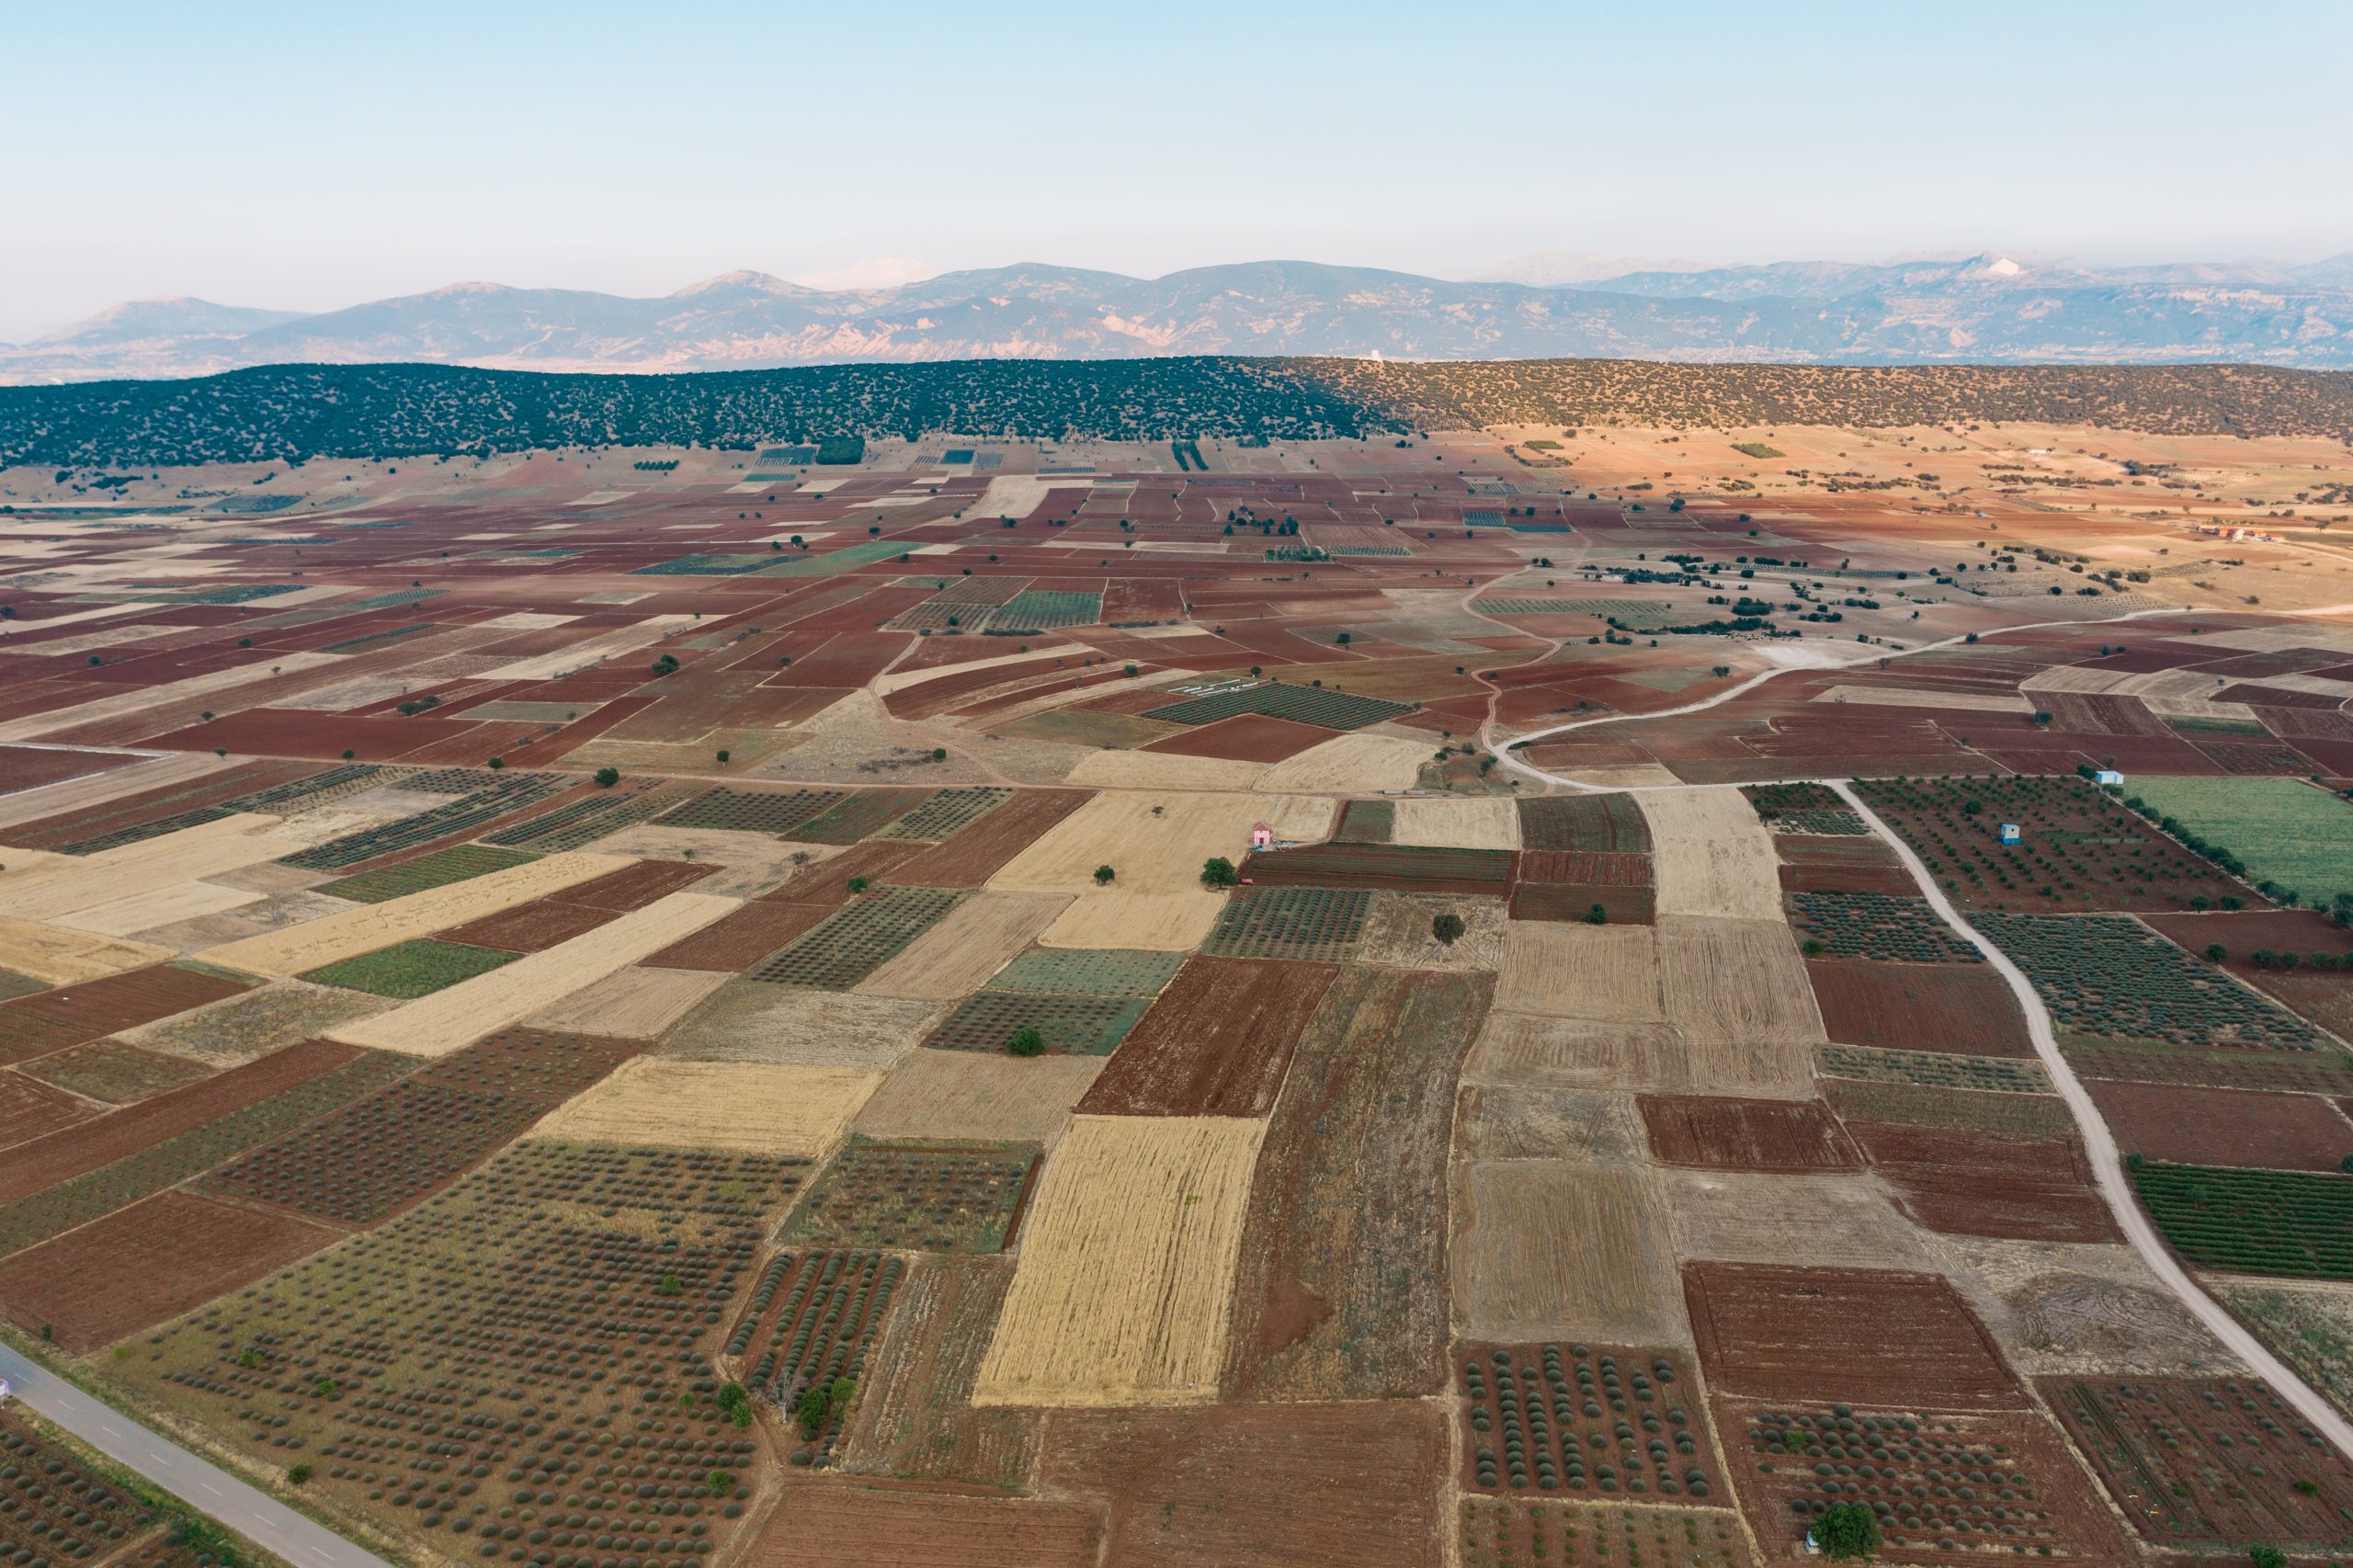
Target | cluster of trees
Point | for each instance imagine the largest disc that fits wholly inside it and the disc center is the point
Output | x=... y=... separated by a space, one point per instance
x=293 y=413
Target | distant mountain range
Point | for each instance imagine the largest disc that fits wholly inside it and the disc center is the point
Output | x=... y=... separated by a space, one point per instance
x=1982 y=309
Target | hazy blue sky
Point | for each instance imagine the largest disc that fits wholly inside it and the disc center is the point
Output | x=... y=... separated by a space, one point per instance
x=311 y=155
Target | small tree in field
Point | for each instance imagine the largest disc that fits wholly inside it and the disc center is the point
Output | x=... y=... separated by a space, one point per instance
x=607 y=776
x=1447 y=928
x=1847 y=1530
x=1103 y=875
x=1596 y=916
x=2266 y=1557
x=1218 y=872
x=1024 y=1041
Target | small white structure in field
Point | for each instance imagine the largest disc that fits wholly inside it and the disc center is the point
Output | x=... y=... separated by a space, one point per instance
x=2108 y=776
x=2009 y=833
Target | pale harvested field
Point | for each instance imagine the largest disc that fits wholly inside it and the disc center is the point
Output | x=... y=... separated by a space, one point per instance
x=745 y=1021
x=66 y=957
x=1737 y=983
x=1714 y=855
x=1524 y=1049
x=1585 y=1127
x=1750 y=1217
x=1303 y=819
x=1398 y=934
x=1160 y=770
x=165 y=905
x=269 y=912
x=31 y=805
x=1163 y=922
x=1603 y=973
x=1479 y=823
x=432 y=1025
x=752 y=863
x=1912 y=697
x=631 y=1004
x=752 y=1108
x=1126 y=1265
x=1626 y=776
x=2062 y=1308
x=371 y=925
x=1151 y=853
x=237 y=1029
x=1351 y=765
x=977 y=937
x=969 y=1094
x=69 y=884
x=1543 y=1249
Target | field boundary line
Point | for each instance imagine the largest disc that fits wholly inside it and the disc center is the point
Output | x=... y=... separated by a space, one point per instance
x=2106 y=1163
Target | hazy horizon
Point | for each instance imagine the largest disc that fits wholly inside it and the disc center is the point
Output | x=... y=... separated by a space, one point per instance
x=282 y=157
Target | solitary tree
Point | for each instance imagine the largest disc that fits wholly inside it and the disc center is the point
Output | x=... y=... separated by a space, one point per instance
x=1851 y=1530
x=1024 y=1041
x=609 y=777
x=1218 y=872
x=1103 y=875
x=1596 y=916
x=1447 y=928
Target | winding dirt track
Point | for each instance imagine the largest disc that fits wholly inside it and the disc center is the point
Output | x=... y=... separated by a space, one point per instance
x=2106 y=1165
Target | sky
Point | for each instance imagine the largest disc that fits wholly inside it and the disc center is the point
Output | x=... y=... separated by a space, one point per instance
x=308 y=156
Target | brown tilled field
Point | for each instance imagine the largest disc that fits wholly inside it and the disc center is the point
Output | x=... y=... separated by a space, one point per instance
x=2183 y=1125
x=1971 y=1183
x=1215 y=1043
x=1254 y=1484
x=878 y=1526
x=146 y=1265
x=1963 y=1008
x=1754 y=1135
x=1784 y=1331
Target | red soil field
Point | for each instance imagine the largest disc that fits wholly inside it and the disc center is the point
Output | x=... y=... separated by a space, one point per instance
x=148 y=1264
x=28 y=1167
x=2245 y=932
x=1246 y=737
x=927 y=698
x=1585 y=868
x=1962 y=1008
x=30 y=1108
x=978 y=852
x=1143 y=598
x=119 y=1002
x=1256 y=1486
x=1862 y=1335
x=883 y=1527
x=1717 y=1133
x=28 y=767
x=741 y=937
x=2224 y=1126
x=1556 y=901
x=1398 y=867
x=1215 y=1043
x=1841 y=865
x=528 y=927
x=634 y=887
x=1968 y=1183
x=849 y=659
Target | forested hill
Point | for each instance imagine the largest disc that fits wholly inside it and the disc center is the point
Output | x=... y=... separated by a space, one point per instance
x=290 y=413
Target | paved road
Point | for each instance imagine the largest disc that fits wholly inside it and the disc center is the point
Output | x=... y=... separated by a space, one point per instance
x=254 y=1514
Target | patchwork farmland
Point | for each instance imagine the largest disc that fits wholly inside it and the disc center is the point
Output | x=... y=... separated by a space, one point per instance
x=928 y=1010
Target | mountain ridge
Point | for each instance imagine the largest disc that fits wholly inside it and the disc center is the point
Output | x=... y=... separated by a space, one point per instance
x=1992 y=307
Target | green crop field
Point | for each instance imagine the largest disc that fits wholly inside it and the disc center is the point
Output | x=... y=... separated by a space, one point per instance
x=2287 y=832
x=459 y=863
x=2288 y=1222
x=409 y=969
x=1302 y=704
